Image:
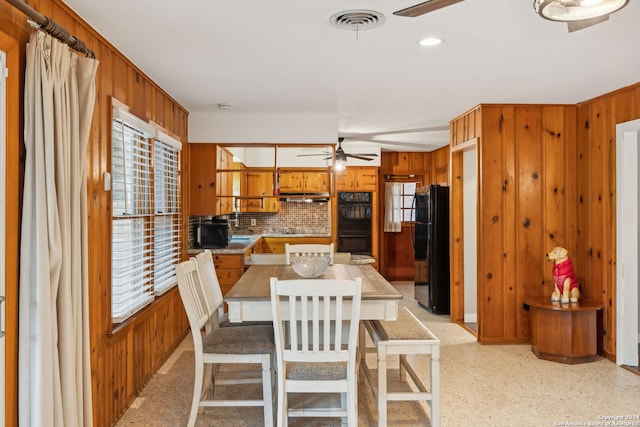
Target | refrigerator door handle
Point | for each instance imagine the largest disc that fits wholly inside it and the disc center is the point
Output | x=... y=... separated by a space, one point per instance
x=412 y=223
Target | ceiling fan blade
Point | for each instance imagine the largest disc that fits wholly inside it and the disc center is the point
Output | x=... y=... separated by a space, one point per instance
x=355 y=156
x=585 y=23
x=319 y=154
x=363 y=154
x=425 y=7
x=328 y=158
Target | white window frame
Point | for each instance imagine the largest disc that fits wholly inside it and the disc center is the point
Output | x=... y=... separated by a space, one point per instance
x=143 y=254
x=167 y=211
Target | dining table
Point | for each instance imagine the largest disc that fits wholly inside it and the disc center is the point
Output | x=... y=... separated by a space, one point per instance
x=250 y=299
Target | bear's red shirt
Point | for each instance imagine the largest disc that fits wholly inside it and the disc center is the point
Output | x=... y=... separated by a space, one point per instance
x=561 y=272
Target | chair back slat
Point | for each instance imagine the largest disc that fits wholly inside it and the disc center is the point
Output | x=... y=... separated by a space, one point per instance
x=293 y=325
x=338 y=334
x=327 y=325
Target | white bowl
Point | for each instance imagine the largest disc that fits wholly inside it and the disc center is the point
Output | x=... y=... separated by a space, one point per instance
x=310 y=266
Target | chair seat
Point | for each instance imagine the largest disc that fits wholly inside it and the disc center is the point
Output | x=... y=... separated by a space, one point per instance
x=321 y=371
x=240 y=340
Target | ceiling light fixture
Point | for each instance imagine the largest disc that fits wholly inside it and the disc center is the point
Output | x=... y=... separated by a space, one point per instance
x=430 y=41
x=577 y=10
x=340 y=165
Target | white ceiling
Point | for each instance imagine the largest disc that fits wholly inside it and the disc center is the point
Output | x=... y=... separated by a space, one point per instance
x=292 y=77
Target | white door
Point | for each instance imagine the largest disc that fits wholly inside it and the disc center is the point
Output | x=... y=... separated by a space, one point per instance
x=3 y=210
x=627 y=188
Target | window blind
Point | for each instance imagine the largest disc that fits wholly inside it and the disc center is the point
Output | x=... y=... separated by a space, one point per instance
x=166 y=161
x=132 y=215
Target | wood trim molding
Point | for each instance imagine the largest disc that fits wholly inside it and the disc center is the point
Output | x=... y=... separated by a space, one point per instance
x=467 y=145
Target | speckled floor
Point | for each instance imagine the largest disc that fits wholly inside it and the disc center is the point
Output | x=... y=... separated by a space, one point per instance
x=482 y=385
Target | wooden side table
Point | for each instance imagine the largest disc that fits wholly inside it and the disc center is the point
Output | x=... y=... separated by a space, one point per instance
x=565 y=333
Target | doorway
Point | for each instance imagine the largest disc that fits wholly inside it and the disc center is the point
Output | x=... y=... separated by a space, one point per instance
x=470 y=225
x=627 y=216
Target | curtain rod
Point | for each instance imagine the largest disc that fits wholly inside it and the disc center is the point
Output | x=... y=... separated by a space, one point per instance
x=51 y=27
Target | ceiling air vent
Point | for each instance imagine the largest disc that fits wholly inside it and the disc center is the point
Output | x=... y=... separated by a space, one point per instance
x=357 y=20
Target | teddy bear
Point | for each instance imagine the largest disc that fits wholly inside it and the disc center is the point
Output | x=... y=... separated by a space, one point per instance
x=567 y=288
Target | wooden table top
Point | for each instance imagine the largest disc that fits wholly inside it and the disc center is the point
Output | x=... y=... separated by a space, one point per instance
x=254 y=283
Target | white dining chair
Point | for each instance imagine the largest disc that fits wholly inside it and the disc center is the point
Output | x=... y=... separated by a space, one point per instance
x=268 y=259
x=308 y=249
x=313 y=354
x=242 y=344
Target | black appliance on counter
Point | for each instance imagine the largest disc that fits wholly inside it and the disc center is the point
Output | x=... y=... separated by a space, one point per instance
x=213 y=233
x=354 y=222
x=430 y=239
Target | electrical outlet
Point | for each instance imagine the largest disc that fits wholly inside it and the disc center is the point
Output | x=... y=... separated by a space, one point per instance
x=253 y=221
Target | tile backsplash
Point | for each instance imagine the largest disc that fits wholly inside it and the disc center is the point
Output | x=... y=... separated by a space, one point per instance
x=293 y=218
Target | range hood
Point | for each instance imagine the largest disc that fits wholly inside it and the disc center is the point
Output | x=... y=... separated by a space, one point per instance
x=305 y=197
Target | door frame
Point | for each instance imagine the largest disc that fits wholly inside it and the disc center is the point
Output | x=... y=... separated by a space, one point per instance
x=627 y=215
x=3 y=214
x=12 y=210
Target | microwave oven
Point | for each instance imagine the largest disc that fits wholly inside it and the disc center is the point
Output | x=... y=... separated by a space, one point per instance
x=211 y=235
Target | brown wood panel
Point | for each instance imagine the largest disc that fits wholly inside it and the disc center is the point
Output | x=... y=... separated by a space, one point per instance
x=417 y=161
x=150 y=103
x=490 y=230
x=120 y=79
x=160 y=111
x=555 y=209
x=512 y=286
x=529 y=219
x=136 y=94
x=596 y=285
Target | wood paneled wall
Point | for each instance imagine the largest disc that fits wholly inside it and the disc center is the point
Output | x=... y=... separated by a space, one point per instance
x=526 y=176
x=546 y=177
x=596 y=199
x=124 y=359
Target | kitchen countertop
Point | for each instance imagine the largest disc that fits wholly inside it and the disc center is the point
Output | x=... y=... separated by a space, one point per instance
x=241 y=242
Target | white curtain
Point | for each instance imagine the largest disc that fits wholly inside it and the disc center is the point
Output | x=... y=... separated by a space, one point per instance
x=54 y=367
x=393 y=207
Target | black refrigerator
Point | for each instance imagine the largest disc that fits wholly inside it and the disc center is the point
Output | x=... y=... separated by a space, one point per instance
x=430 y=239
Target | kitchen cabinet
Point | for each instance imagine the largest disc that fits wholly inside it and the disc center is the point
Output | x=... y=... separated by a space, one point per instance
x=256 y=194
x=229 y=268
x=224 y=192
x=203 y=190
x=304 y=182
x=357 y=179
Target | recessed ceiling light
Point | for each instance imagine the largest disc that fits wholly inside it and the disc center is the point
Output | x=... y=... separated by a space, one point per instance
x=430 y=41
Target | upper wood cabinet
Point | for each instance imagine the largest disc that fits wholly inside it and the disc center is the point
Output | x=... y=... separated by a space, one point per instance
x=357 y=179
x=304 y=182
x=202 y=172
x=256 y=194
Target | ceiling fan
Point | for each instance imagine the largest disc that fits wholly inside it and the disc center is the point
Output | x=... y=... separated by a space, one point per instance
x=341 y=155
x=578 y=14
